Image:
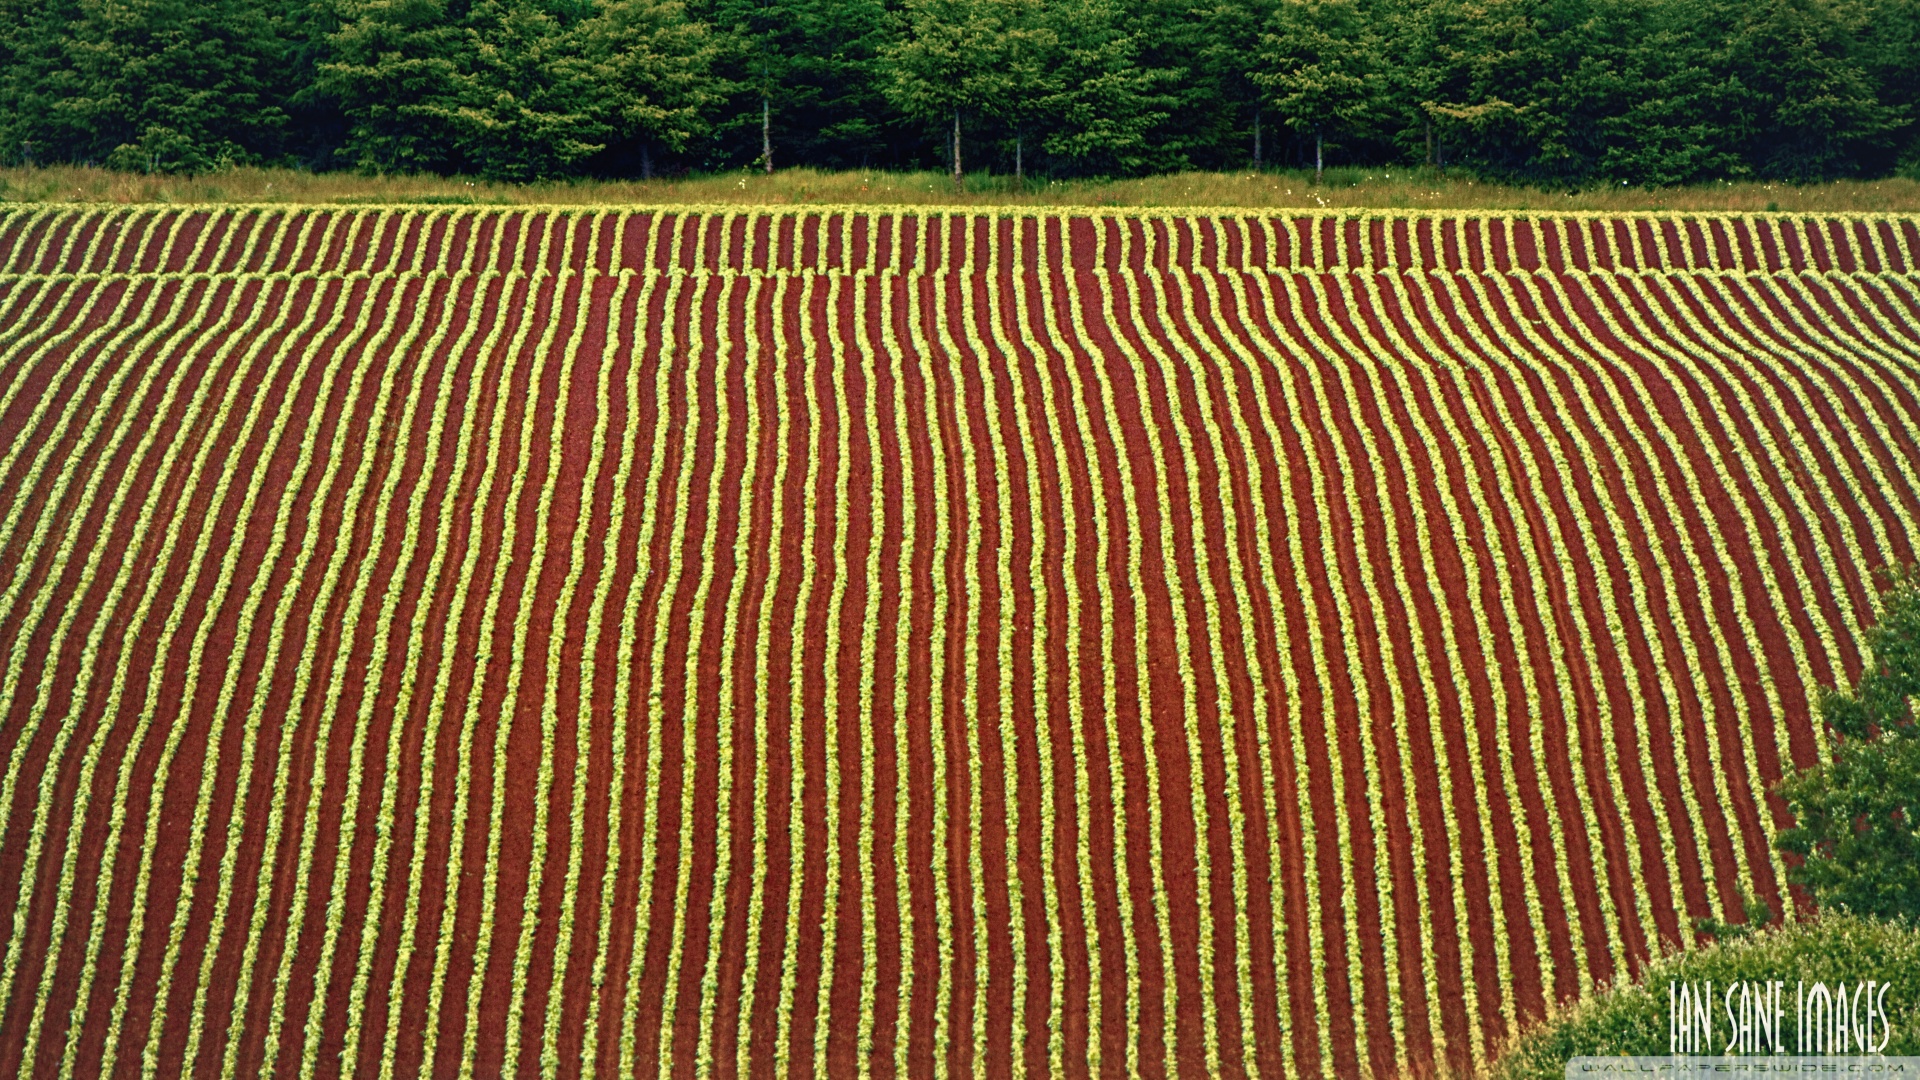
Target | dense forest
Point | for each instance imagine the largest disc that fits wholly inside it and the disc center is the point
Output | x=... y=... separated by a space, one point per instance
x=1560 y=93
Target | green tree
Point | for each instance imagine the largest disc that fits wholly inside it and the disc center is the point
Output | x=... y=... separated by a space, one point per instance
x=524 y=109
x=1322 y=66
x=1211 y=112
x=1097 y=100
x=400 y=69
x=1818 y=112
x=806 y=80
x=990 y=60
x=1855 y=814
x=1575 y=92
x=518 y=89
x=1890 y=52
x=647 y=75
x=155 y=85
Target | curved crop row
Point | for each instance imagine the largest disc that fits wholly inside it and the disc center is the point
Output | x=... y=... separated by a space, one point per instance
x=520 y=642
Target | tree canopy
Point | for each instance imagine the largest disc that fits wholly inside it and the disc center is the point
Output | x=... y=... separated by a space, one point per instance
x=1561 y=93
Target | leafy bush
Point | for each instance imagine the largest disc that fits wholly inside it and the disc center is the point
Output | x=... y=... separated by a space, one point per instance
x=1854 y=815
x=1633 y=1019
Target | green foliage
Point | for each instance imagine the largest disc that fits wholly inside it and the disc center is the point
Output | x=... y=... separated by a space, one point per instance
x=1758 y=916
x=516 y=89
x=1323 y=66
x=1577 y=92
x=1563 y=94
x=1889 y=51
x=1064 y=76
x=1105 y=101
x=813 y=65
x=991 y=59
x=1816 y=107
x=148 y=85
x=646 y=73
x=1633 y=1019
x=1854 y=815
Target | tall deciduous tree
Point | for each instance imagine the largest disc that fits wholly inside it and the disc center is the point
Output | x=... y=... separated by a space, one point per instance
x=1101 y=101
x=989 y=59
x=142 y=84
x=518 y=89
x=648 y=73
x=1320 y=63
x=1228 y=33
x=401 y=70
x=806 y=84
x=1818 y=112
x=1560 y=93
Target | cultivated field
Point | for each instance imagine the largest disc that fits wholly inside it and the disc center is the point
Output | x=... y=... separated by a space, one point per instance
x=607 y=642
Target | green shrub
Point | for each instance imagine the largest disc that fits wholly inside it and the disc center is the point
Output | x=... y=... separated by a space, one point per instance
x=1854 y=815
x=1633 y=1019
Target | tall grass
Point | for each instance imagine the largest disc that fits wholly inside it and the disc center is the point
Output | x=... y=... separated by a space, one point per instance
x=1385 y=188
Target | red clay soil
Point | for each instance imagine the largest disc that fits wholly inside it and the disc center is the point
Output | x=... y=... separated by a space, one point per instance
x=1731 y=454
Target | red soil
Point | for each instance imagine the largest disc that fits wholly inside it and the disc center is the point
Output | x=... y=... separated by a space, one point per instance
x=1785 y=403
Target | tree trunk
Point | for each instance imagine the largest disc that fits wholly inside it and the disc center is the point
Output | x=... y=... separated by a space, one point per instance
x=1019 y=165
x=956 y=149
x=1256 y=138
x=766 y=133
x=1429 y=142
x=1319 y=164
x=646 y=160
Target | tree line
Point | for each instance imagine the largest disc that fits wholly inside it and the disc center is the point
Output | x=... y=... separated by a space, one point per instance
x=1553 y=92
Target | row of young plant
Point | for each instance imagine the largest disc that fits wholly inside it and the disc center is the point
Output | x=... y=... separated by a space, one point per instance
x=386 y=629
x=496 y=712
x=200 y=664
x=1612 y=768
x=70 y=619
x=1727 y=365
x=1636 y=244
x=168 y=756
x=1712 y=336
x=599 y=604
x=469 y=347
x=721 y=492
x=343 y=582
x=50 y=241
x=146 y=518
x=699 y=357
x=623 y=731
x=1516 y=612
x=95 y=241
x=310 y=819
x=244 y=243
x=834 y=621
x=250 y=744
x=1630 y=244
x=333 y=705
